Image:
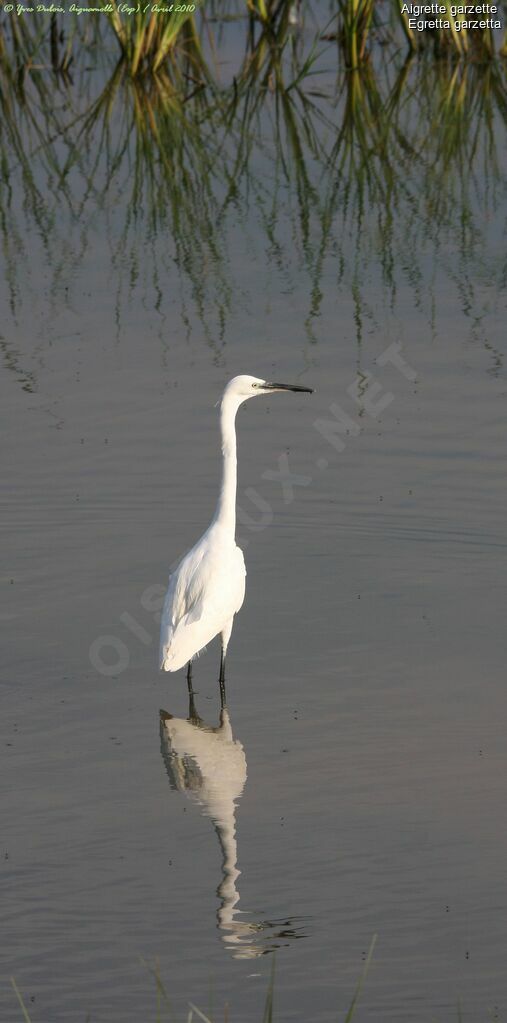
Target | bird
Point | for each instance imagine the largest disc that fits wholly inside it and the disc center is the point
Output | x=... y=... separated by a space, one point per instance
x=207 y=588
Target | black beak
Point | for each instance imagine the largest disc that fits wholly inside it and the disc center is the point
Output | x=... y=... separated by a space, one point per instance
x=286 y=387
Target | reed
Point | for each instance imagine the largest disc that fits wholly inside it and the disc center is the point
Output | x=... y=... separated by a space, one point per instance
x=164 y=1004
x=385 y=144
x=149 y=39
x=194 y=1014
x=356 y=17
x=155 y=38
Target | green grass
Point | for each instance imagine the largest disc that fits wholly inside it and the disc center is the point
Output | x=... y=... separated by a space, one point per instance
x=149 y=42
x=407 y=141
x=165 y=1011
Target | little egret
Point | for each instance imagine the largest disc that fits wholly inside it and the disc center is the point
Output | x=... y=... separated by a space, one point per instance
x=207 y=588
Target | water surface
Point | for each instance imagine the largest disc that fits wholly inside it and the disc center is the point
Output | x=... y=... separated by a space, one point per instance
x=366 y=679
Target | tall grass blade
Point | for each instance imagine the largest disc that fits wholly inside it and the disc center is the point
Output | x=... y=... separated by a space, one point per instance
x=268 y=1010
x=460 y=38
x=173 y=28
x=20 y=1000
x=361 y=980
x=162 y=995
x=405 y=24
x=200 y=1014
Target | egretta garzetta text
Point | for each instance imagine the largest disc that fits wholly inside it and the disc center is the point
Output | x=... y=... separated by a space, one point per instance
x=207 y=588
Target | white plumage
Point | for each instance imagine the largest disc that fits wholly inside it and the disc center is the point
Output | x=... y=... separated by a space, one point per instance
x=205 y=592
x=208 y=587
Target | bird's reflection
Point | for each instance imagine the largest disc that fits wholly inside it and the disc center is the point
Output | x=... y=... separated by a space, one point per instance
x=208 y=766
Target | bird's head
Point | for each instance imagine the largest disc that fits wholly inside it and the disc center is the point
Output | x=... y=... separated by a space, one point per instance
x=243 y=387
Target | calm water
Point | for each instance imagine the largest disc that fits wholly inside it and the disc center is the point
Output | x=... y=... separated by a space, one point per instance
x=358 y=783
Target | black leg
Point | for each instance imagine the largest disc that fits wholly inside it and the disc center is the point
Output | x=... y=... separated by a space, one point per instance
x=222 y=680
x=192 y=713
x=189 y=679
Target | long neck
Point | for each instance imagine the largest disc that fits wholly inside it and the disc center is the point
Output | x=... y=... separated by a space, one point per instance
x=225 y=514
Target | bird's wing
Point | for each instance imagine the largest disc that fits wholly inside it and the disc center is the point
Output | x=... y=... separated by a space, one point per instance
x=186 y=588
x=183 y=597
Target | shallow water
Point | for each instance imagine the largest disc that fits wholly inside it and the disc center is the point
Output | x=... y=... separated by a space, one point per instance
x=366 y=680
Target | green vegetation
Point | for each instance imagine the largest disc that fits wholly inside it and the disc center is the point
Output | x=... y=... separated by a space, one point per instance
x=374 y=164
x=254 y=107
x=165 y=1011
x=148 y=40
x=188 y=42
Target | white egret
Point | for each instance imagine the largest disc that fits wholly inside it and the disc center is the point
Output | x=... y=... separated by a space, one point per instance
x=207 y=588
